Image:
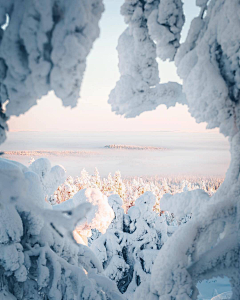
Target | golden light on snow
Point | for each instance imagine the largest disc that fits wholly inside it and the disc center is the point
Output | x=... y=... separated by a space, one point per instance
x=99 y=217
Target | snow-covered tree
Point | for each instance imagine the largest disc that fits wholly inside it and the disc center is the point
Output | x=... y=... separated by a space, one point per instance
x=208 y=64
x=38 y=257
x=97 y=179
x=129 y=247
x=43 y=47
x=50 y=177
x=100 y=217
x=207 y=61
x=149 y=23
x=130 y=189
x=208 y=245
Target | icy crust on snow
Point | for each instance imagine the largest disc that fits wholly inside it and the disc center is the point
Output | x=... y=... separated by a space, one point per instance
x=139 y=89
x=38 y=256
x=208 y=63
x=44 y=47
x=130 y=245
x=207 y=246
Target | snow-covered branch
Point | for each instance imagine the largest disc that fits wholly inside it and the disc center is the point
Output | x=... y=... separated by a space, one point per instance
x=38 y=256
x=208 y=64
x=153 y=30
x=43 y=47
x=207 y=246
x=207 y=61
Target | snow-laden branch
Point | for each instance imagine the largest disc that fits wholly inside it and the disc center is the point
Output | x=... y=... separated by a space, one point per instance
x=207 y=246
x=43 y=47
x=153 y=30
x=165 y=24
x=100 y=216
x=126 y=99
x=204 y=248
x=182 y=204
x=207 y=61
x=38 y=256
x=209 y=66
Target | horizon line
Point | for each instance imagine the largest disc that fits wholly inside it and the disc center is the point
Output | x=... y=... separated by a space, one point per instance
x=100 y=131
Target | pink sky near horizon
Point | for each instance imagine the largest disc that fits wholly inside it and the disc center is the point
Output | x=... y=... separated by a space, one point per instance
x=93 y=112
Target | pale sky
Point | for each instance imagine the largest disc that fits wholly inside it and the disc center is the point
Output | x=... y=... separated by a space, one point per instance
x=93 y=113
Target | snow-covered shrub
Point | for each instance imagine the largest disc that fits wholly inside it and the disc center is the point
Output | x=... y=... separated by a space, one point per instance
x=43 y=47
x=129 y=247
x=38 y=256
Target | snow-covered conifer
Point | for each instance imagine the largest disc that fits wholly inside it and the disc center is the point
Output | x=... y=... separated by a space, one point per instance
x=165 y=24
x=38 y=257
x=138 y=89
x=209 y=60
x=208 y=63
x=50 y=177
x=43 y=47
x=100 y=217
x=129 y=247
